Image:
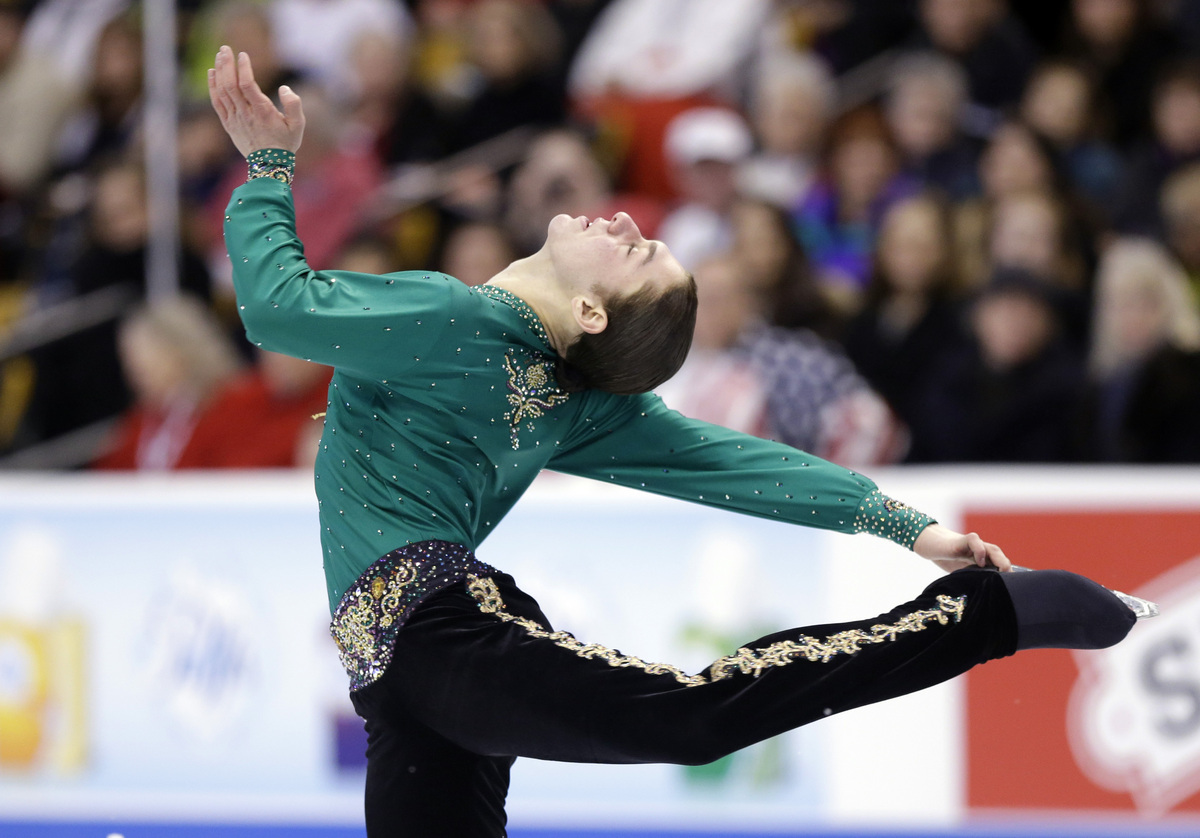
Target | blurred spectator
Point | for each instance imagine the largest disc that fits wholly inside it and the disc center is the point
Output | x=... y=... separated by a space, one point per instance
x=1012 y=395
x=65 y=31
x=646 y=61
x=838 y=220
x=247 y=26
x=845 y=33
x=783 y=384
x=790 y=107
x=1123 y=48
x=704 y=147
x=264 y=418
x=175 y=358
x=476 y=251
x=560 y=174
x=317 y=36
x=1176 y=142
x=35 y=99
x=992 y=47
x=205 y=156
x=1060 y=105
x=111 y=116
x=119 y=224
x=439 y=64
x=1032 y=230
x=1014 y=161
x=777 y=268
x=909 y=322
x=1181 y=213
x=513 y=47
x=79 y=379
x=925 y=100
x=399 y=121
x=1145 y=358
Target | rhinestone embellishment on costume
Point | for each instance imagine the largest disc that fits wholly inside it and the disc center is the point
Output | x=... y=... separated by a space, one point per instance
x=527 y=314
x=381 y=599
x=532 y=390
x=888 y=518
x=744 y=661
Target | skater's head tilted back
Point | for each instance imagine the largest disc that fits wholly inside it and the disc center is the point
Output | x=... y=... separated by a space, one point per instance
x=620 y=309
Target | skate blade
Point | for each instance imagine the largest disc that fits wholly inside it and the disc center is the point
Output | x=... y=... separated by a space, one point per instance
x=1142 y=608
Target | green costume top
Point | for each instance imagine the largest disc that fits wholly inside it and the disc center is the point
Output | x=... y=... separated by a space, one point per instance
x=443 y=408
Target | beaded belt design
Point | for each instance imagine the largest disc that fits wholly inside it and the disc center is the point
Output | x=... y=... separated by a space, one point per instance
x=379 y=602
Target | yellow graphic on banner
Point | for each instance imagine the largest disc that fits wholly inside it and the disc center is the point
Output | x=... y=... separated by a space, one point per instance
x=43 y=718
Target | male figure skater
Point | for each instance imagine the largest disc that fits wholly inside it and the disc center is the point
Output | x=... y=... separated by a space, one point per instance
x=445 y=404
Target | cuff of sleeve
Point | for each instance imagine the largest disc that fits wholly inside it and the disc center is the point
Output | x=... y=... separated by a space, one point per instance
x=888 y=518
x=275 y=163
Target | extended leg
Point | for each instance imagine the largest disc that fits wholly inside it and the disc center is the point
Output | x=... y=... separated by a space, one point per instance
x=480 y=666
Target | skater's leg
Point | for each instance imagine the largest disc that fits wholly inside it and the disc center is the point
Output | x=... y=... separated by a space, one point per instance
x=479 y=665
x=421 y=785
x=1060 y=609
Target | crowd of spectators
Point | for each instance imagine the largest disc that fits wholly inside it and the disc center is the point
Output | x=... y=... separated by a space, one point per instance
x=923 y=230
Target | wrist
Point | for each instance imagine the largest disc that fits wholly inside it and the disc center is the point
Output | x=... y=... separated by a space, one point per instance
x=888 y=518
x=275 y=163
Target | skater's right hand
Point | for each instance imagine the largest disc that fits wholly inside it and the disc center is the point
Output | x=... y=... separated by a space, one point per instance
x=247 y=114
x=951 y=550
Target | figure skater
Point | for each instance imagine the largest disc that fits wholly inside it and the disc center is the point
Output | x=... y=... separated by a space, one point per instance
x=447 y=401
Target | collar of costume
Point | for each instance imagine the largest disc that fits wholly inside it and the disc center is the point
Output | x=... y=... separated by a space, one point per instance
x=523 y=310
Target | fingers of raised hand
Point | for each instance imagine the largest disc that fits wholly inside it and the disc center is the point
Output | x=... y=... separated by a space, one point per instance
x=214 y=96
x=249 y=87
x=225 y=79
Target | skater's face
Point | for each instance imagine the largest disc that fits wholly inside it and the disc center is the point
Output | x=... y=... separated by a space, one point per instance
x=609 y=256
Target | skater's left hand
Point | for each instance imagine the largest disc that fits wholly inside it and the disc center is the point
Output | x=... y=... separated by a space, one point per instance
x=950 y=550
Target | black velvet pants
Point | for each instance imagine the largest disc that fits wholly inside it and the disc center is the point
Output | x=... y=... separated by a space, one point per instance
x=478 y=678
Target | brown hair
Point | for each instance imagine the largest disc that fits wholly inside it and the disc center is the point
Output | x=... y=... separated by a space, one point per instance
x=645 y=342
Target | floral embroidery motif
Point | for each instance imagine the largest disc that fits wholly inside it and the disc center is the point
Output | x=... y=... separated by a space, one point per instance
x=746 y=661
x=532 y=389
x=372 y=611
x=756 y=661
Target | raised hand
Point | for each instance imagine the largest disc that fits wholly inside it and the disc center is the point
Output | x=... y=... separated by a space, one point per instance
x=247 y=114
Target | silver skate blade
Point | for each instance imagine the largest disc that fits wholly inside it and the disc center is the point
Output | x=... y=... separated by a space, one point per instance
x=1142 y=608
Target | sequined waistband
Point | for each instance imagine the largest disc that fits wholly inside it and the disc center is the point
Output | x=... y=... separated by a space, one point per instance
x=379 y=602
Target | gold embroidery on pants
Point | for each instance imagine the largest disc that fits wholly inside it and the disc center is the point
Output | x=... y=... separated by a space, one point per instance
x=745 y=660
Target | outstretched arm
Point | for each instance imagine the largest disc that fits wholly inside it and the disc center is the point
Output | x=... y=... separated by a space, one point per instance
x=638 y=442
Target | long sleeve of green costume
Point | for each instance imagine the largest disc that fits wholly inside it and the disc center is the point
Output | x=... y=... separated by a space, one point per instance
x=340 y=318
x=639 y=442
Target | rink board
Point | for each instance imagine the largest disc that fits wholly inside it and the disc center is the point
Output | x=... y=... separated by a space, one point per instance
x=165 y=664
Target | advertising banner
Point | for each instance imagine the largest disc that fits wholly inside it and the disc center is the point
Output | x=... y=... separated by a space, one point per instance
x=1111 y=730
